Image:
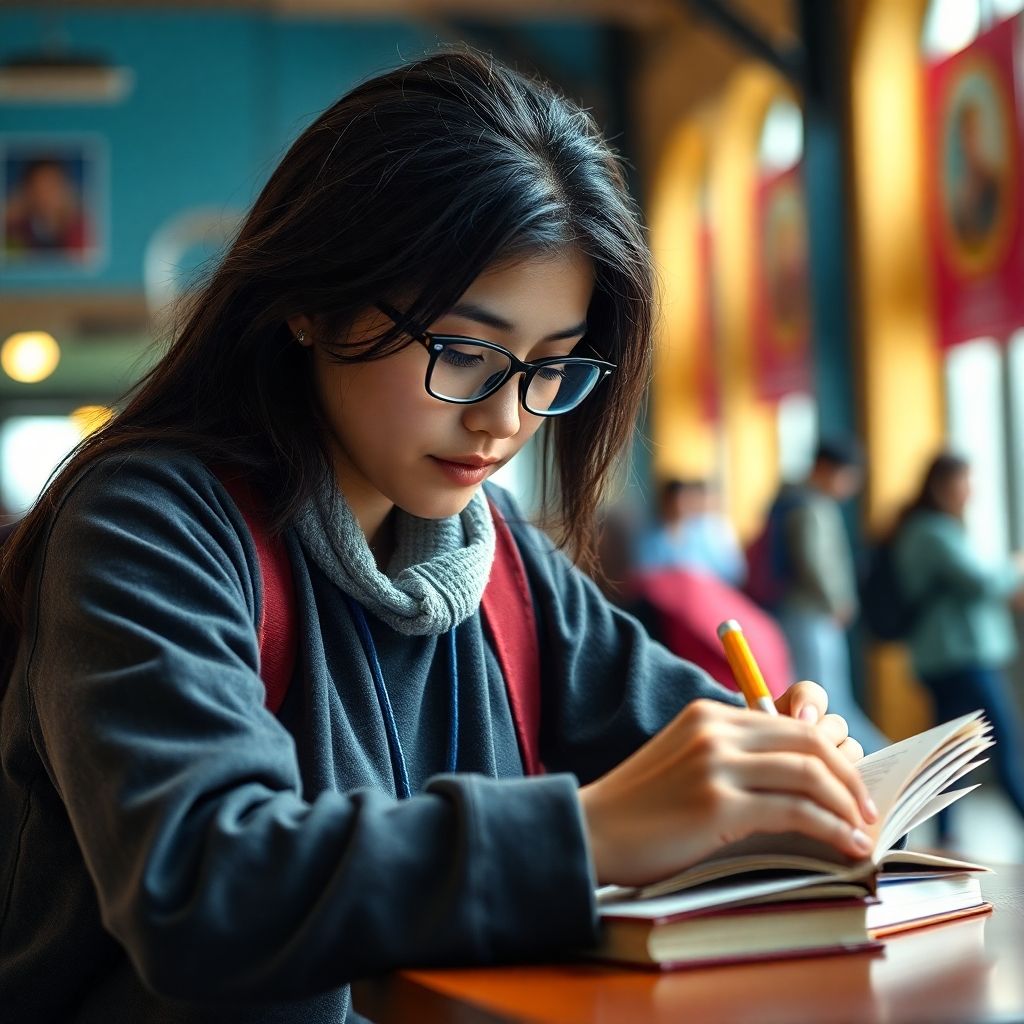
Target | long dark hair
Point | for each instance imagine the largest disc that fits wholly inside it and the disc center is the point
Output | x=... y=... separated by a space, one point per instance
x=406 y=189
x=946 y=466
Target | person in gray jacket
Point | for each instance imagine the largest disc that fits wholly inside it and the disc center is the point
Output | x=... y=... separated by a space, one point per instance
x=817 y=601
x=445 y=261
x=962 y=635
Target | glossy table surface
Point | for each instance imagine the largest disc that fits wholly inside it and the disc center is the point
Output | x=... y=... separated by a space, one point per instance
x=963 y=972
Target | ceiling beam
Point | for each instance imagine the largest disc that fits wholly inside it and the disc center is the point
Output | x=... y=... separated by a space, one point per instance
x=790 y=61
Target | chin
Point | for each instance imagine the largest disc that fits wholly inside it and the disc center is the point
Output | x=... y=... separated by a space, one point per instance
x=437 y=506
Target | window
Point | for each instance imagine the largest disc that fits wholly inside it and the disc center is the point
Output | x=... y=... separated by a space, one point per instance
x=797 y=424
x=31 y=447
x=976 y=427
x=782 y=137
x=949 y=25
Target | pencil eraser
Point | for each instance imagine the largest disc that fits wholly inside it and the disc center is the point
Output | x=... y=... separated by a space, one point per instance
x=729 y=626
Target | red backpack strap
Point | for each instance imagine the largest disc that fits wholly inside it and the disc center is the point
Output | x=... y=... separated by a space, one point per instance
x=276 y=628
x=507 y=608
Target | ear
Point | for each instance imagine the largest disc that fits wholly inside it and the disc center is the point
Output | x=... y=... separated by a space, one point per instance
x=302 y=329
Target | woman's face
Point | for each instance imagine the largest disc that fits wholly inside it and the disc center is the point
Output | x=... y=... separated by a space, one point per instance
x=393 y=444
x=954 y=493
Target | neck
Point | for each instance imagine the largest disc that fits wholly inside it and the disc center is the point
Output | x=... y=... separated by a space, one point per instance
x=371 y=509
x=382 y=542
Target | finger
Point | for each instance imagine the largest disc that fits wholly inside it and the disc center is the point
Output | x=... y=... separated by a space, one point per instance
x=851 y=750
x=835 y=729
x=785 y=734
x=805 y=701
x=767 y=812
x=799 y=775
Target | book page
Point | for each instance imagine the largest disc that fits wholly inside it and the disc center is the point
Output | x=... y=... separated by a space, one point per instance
x=938 y=803
x=887 y=771
x=706 y=897
x=906 y=814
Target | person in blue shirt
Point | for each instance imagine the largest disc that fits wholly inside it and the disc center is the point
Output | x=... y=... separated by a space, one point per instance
x=692 y=534
x=445 y=263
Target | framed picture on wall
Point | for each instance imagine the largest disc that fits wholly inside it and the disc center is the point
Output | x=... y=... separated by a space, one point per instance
x=52 y=202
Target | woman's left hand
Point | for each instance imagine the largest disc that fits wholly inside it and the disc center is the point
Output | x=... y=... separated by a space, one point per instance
x=809 y=701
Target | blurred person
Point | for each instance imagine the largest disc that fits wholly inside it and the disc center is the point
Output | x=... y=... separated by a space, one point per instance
x=962 y=635
x=802 y=570
x=692 y=533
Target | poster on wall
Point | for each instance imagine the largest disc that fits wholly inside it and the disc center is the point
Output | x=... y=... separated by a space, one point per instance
x=782 y=303
x=51 y=202
x=706 y=361
x=973 y=159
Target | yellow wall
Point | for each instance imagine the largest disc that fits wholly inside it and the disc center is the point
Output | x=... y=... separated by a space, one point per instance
x=751 y=436
x=899 y=365
x=725 y=144
x=684 y=441
x=701 y=99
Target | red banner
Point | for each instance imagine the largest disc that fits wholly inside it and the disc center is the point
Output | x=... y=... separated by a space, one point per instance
x=706 y=361
x=782 y=305
x=973 y=159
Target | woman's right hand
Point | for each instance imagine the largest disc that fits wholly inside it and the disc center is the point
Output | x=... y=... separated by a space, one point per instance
x=714 y=775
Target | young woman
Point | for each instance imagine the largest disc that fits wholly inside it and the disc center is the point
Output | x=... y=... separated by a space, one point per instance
x=445 y=262
x=962 y=635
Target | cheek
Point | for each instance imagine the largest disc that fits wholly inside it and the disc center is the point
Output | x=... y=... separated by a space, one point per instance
x=529 y=425
x=379 y=406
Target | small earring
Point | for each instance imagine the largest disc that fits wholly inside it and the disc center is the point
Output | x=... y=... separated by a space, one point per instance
x=300 y=336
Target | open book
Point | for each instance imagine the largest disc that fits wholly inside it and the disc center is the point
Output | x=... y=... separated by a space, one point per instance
x=804 y=895
x=905 y=780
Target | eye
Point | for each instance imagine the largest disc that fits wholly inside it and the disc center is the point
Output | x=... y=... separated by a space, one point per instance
x=551 y=373
x=461 y=359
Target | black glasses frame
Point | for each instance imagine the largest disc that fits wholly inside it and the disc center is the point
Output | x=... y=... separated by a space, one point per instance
x=435 y=344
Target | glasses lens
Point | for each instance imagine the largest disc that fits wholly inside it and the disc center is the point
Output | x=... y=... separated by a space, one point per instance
x=559 y=387
x=464 y=371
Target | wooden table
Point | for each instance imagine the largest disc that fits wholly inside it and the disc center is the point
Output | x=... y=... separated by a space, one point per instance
x=961 y=973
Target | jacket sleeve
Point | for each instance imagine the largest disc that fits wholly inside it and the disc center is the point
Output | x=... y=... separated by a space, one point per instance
x=955 y=568
x=211 y=868
x=606 y=686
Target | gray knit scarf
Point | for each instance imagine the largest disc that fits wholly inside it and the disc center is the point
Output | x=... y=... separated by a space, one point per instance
x=435 y=578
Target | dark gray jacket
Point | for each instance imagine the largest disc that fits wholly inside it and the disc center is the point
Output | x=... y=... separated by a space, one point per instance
x=170 y=851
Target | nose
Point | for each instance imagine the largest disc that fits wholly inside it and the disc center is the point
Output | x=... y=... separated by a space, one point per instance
x=498 y=414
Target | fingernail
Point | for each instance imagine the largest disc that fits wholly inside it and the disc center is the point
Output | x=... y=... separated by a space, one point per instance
x=861 y=840
x=871 y=808
x=809 y=713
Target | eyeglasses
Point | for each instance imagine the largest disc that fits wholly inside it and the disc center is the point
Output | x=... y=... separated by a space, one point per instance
x=466 y=370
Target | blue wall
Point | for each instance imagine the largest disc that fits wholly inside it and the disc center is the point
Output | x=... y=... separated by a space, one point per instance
x=217 y=99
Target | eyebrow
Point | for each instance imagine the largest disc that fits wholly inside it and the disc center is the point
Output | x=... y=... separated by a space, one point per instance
x=471 y=311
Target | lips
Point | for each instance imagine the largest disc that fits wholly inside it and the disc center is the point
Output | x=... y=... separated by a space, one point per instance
x=474 y=461
x=465 y=470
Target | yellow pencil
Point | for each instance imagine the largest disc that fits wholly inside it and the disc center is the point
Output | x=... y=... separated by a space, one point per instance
x=744 y=668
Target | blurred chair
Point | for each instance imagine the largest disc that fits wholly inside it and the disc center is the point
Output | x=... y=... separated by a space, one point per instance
x=683 y=609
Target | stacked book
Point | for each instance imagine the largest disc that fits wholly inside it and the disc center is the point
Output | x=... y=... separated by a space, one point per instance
x=772 y=896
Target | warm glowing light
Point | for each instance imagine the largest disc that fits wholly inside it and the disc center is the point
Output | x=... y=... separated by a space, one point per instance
x=30 y=356
x=89 y=418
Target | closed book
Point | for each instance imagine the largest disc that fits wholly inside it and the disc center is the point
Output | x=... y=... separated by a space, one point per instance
x=904 y=902
x=690 y=928
x=701 y=938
